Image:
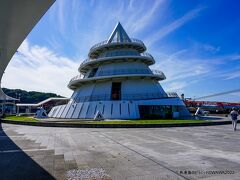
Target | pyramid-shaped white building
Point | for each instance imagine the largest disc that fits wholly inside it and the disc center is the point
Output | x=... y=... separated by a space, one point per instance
x=115 y=82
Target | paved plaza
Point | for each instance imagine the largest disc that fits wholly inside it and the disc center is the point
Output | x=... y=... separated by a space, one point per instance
x=28 y=152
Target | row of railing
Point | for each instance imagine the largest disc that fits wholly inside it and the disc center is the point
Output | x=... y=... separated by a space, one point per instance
x=80 y=76
x=141 y=55
x=136 y=96
x=130 y=71
x=172 y=94
x=116 y=41
x=122 y=72
x=157 y=72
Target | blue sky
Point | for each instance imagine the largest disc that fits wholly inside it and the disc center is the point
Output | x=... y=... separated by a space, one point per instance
x=195 y=43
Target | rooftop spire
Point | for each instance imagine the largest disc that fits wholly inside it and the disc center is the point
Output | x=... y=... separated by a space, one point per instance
x=118 y=35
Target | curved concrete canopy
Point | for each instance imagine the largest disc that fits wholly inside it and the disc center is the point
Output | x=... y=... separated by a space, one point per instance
x=17 y=19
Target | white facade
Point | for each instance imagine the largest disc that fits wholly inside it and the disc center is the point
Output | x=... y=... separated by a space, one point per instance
x=117 y=82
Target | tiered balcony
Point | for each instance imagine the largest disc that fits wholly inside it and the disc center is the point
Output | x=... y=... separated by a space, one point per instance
x=86 y=64
x=119 y=74
x=104 y=45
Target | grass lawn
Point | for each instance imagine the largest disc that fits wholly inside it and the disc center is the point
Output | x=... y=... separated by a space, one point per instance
x=162 y=121
x=21 y=118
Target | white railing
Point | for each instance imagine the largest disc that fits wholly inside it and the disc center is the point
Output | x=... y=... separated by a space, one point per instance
x=131 y=71
x=141 y=54
x=80 y=76
x=157 y=72
x=147 y=55
x=116 y=41
x=123 y=72
x=172 y=94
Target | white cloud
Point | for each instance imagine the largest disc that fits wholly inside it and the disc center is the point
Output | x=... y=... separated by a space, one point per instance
x=176 y=86
x=40 y=69
x=211 y=48
x=61 y=16
x=182 y=71
x=232 y=75
x=173 y=26
x=141 y=21
x=235 y=94
x=177 y=67
x=235 y=57
x=130 y=5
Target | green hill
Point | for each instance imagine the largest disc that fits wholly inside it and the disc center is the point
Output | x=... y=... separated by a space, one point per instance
x=28 y=96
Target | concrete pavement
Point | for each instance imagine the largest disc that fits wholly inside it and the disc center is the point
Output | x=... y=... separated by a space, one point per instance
x=210 y=152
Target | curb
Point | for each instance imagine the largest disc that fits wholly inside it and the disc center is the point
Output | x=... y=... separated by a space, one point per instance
x=77 y=125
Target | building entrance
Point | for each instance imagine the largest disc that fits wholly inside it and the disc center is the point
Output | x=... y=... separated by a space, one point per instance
x=116 y=91
x=155 y=111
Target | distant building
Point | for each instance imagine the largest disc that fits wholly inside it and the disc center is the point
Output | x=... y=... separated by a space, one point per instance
x=8 y=105
x=47 y=104
x=116 y=82
x=212 y=106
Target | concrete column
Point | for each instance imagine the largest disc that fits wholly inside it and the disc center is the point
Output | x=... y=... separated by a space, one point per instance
x=17 y=110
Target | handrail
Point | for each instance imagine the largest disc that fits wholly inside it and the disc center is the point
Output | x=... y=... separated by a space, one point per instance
x=123 y=72
x=80 y=76
x=158 y=72
x=145 y=54
x=107 y=97
x=116 y=41
x=130 y=71
x=172 y=94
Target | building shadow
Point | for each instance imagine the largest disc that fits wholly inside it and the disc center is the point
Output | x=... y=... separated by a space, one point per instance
x=16 y=164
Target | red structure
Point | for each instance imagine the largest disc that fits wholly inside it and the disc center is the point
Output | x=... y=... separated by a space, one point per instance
x=212 y=106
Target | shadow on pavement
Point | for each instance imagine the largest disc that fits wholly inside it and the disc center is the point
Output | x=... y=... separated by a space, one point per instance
x=211 y=118
x=16 y=164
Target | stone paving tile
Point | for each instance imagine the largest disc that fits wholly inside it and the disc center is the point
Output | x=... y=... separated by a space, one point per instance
x=125 y=153
x=69 y=165
x=155 y=177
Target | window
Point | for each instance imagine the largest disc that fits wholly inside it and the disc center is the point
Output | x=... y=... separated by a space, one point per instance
x=93 y=72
